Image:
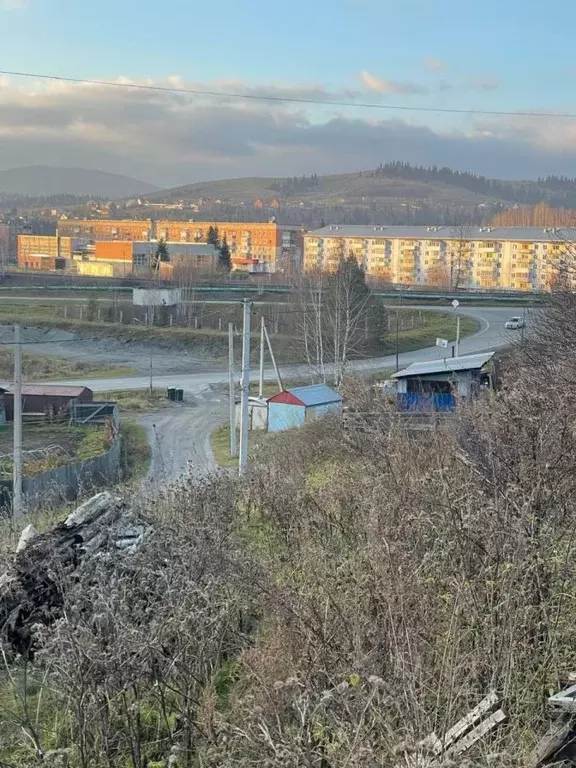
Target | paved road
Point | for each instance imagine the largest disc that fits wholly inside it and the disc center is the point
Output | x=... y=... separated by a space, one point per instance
x=491 y=336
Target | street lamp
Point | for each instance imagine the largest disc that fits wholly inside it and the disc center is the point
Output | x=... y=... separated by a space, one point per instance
x=397 y=331
x=456 y=304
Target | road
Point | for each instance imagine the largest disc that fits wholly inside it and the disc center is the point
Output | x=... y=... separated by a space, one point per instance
x=491 y=336
x=181 y=434
x=180 y=437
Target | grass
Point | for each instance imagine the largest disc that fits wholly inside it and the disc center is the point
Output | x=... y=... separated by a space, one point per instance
x=136 y=400
x=44 y=368
x=136 y=453
x=438 y=325
x=55 y=445
x=220 y=444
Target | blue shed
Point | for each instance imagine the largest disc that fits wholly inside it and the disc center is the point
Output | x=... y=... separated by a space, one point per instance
x=293 y=407
x=435 y=385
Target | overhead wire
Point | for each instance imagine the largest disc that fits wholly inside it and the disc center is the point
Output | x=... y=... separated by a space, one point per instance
x=289 y=99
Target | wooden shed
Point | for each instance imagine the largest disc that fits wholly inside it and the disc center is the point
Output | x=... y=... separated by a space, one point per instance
x=50 y=400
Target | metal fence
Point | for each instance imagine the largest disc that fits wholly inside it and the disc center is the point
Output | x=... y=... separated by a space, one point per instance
x=65 y=483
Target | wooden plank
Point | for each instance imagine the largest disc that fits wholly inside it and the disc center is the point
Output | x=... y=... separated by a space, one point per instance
x=479 y=732
x=564 y=701
x=457 y=731
x=549 y=744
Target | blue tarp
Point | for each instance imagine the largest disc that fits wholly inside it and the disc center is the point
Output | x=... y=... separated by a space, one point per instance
x=418 y=401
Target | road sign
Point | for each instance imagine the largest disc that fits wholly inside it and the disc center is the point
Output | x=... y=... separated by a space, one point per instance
x=455 y=303
x=441 y=342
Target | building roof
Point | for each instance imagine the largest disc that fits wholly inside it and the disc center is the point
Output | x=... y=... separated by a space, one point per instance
x=47 y=390
x=449 y=365
x=528 y=234
x=315 y=394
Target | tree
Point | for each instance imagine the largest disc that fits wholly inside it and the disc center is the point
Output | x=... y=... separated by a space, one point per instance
x=213 y=237
x=91 y=309
x=224 y=259
x=161 y=255
x=340 y=318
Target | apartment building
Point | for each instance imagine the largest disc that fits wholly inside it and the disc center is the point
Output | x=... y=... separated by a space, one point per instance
x=517 y=258
x=107 y=229
x=6 y=239
x=270 y=246
x=47 y=252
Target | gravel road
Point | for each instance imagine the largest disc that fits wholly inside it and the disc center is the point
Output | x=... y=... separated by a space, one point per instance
x=180 y=436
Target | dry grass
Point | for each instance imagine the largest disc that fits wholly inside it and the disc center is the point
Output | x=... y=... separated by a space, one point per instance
x=137 y=400
x=47 y=368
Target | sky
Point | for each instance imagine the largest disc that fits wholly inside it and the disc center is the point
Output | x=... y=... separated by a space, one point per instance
x=404 y=58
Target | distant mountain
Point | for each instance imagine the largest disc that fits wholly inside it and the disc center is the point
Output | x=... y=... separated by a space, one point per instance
x=42 y=180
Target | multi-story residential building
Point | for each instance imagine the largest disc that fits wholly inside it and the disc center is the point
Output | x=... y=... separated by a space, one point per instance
x=269 y=246
x=518 y=258
x=47 y=252
x=107 y=229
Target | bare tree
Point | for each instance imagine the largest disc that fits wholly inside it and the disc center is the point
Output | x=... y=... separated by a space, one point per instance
x=339 y=318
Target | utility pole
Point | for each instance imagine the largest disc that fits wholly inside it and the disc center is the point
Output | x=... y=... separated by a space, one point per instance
x=273 y=358
x=151 y=382
x=458 y=336
x=261 y=376
x=243 y=460
x=397 y=334
x=233 y=448
x=17 y=510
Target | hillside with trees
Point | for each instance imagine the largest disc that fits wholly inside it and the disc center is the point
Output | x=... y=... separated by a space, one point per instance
x=395 y=193
x=541 y=215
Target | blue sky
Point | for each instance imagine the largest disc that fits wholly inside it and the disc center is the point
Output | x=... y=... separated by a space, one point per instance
x=425 y=53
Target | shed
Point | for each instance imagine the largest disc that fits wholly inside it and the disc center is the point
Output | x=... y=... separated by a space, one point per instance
x=434 y=385
x=293 y=407
x=257 y=413
x=47 y=399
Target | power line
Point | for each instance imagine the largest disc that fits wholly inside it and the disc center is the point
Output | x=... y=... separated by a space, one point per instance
x=289 y=100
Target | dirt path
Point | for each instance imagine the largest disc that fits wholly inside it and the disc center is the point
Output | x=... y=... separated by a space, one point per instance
x=181 y=434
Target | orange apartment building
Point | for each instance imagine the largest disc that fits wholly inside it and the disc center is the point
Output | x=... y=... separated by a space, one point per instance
x=107 y=229
x=46 y=252
x=272 y=246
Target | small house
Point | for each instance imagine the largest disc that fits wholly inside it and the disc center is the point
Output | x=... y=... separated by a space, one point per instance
x=435 y=385
x=47 y=400
x=294 y=407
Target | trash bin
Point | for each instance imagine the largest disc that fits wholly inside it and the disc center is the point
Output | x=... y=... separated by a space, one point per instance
x=171 y=394
x=180 y=395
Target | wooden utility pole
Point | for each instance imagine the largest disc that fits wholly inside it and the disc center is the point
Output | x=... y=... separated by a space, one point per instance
x=261 y=376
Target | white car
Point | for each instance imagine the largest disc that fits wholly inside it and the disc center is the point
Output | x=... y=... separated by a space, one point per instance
x=515 y=323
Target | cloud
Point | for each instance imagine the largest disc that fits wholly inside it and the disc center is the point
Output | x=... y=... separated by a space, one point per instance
x=14 y=5
x=175 y=138
x=435 y=65
x=483 y=83
x=379 y=85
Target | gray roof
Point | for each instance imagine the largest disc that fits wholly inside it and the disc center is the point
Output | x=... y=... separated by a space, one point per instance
x=529 y=234
x=316 y=394
x=449 y=365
